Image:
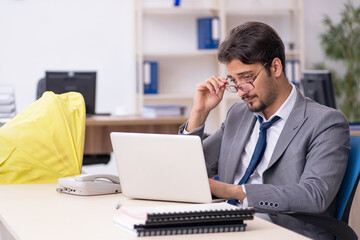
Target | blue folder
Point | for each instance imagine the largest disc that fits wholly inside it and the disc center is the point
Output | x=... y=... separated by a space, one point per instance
x=150 y=77
x=293 y=71
x=208 y=32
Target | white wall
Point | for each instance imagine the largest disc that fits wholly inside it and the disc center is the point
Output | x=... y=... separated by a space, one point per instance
x=84 y=35
x=39 y=35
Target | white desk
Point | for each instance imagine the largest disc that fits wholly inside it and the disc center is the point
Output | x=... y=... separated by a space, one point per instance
x=36 y=212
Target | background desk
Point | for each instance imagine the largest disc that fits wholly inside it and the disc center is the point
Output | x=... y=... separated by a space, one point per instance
x=38 y=212
x=98 y=129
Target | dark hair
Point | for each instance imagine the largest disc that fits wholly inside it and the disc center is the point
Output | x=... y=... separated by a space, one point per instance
x=252 y=42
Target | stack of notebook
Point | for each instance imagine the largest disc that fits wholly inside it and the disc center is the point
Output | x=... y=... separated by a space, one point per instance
x=183 y=219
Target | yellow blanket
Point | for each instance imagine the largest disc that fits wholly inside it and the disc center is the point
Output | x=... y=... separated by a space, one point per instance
x=45 y=141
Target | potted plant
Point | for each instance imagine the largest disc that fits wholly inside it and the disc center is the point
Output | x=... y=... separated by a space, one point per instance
x=341 y=42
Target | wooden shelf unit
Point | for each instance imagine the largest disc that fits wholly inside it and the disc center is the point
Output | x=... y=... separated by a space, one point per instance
x=168 y=35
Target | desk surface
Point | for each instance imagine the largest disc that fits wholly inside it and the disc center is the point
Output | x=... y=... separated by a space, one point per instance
x=38 y=212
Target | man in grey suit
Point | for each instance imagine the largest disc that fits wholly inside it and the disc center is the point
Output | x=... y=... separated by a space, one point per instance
x=306 y=144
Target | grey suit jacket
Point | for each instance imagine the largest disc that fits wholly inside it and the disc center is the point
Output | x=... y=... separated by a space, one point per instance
x=306 y=167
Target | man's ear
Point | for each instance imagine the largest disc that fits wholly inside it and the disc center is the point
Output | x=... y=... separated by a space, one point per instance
x=276 y=67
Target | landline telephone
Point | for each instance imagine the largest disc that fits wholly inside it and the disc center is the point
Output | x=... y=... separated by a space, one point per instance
x=90 y=184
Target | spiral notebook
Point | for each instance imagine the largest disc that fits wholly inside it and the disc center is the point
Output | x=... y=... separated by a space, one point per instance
x=183 y=219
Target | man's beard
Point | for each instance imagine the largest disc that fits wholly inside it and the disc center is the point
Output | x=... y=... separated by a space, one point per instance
x=267 y=100
x=256 y=108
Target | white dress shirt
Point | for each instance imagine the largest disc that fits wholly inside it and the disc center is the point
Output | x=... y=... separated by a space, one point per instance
x=273 y=134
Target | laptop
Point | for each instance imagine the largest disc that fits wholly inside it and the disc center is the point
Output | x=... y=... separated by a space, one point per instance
x=161 y=167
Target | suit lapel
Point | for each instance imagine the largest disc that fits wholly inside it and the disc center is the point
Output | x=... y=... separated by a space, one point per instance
x=238 y=144
x=291 y=128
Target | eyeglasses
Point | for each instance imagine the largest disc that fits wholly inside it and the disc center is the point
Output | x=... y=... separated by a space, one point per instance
x=246 y=85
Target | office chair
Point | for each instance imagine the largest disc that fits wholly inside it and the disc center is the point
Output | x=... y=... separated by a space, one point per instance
x=339 y=226
x=88 y=91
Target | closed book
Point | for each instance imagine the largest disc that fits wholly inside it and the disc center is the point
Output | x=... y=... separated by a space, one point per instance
x=7 y=115
x=7 y=108
x=354 y=126
x=208 y=30
x=150 y=77
x=183 y=219
x=219 y=228
x=6 y=99
x=162 y=111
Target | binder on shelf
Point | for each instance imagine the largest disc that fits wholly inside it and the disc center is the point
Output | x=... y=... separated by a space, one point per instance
x=154 y=111
x=176 y=3
x=7 y=108
x=293 y=72
x=6 y=99
x=354 y=126
x=208 y=32
x=183 y=219
x=150 y=77
x=7 y=102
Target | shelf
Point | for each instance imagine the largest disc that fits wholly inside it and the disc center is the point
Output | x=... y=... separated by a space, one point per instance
x=262 y=12
x=168 y=35
x=210 y=52
x=169 y=96
x=292 y=53
x=180 y=54
x=180 y=10
x=186 y=96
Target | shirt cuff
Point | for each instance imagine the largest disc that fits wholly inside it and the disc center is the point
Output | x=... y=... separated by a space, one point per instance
x=184 y=130
x=187 y=132
x=244 y=203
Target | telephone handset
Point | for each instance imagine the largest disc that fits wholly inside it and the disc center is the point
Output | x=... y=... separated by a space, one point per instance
x=90 y=184
x=94 y=177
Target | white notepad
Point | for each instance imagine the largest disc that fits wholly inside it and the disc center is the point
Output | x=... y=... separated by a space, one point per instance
x=183 y=219
x=141 y=213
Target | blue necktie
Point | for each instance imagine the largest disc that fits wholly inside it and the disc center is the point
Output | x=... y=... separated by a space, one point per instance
x=258 y=152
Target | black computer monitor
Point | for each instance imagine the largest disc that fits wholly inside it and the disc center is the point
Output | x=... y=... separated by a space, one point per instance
x=317 y=85
x=62 y=82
